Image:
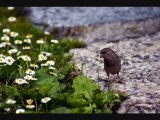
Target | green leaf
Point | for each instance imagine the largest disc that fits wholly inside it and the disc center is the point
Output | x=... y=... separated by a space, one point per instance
x=109 y=96
x=61 y=96
x=10 y=90
x=83 y=85
x=88 y=109
x=44 y=89
x=99 y=99
x=61 y=110
x=60 y=76
x=2 y=105
x=77 y=110
x=43 y=78
x=106 y=97
x=8 y=72
x=28 y=93
x=54 y=90
x=76 y=100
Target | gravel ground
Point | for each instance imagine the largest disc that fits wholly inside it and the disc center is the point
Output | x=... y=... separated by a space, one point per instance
x=140 y=71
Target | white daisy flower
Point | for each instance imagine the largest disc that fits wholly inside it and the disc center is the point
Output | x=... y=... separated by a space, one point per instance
x=7 y=43
x=29 y=101
x=2 y=60
x=7 y=109
x=12 y=51
x=25 y=57
x=46 y=33
x=44 y=64
x=2 y=55
x=2 y=45
x=52 y=68
x=41 y=57
x=30 y=106
x=45 y=100
x=11 y=19
x=18 y=53
x=52 y=73
x=10 y=101
x=18 y=42
x=30 y=72
x=9 y=60
x=10 y=8
x=54 y=41
x=46 y=53
x=14 y=34
x=5 y=38
x=40 y=42
x=18 y=111
x=27 y=40
x=29 y=36
x=20 y=81
x=34 y=78
x=6 y=30
x=26 y=48
x=34 y=66
x=29 y=77
x=50 y=63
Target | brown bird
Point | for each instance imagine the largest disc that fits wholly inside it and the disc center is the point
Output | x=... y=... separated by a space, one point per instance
x=112 y=62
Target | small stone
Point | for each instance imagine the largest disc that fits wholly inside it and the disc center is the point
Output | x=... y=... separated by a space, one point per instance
x=146 y=57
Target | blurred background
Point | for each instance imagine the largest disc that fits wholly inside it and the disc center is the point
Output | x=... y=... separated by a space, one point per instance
x=96 y=23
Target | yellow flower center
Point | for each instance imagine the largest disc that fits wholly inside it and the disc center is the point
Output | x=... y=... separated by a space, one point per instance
x=9 y=60
x=20 y=80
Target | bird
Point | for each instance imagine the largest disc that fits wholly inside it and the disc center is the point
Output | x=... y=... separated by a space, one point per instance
x=112 y=62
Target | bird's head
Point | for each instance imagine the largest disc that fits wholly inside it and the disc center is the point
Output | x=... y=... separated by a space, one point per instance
x=106 y=52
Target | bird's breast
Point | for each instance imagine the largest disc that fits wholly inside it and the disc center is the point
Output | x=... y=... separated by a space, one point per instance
x=113 y=69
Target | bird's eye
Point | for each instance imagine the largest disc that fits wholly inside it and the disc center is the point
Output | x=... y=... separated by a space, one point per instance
x=105 y=51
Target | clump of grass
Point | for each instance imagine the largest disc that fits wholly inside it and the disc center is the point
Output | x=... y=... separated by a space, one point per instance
x=35 y=73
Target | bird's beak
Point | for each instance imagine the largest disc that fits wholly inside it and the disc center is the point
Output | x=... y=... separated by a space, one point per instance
x=101 y=55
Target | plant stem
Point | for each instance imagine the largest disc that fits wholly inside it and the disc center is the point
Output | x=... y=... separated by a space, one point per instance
x=36 y=105
x=46 y=107
x=27 y=64
x=22 y=102
x=98 y=78
x=40 y=48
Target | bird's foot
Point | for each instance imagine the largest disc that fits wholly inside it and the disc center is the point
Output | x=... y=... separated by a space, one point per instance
x=120 y=81
x=108 y=81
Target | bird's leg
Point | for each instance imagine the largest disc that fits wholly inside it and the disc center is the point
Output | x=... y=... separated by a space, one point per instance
x=108 y=83
x=120 y=79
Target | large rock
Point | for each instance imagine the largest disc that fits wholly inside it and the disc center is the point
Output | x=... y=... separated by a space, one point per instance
x=97 y=23
x=140 y=71
x=80 y=16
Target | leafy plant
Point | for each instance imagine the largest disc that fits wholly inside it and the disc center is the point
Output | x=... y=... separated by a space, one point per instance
x=36 y=76
x=88 y=97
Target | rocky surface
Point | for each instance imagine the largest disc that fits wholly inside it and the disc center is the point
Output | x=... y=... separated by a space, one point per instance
x=93 y=24
x=140 y=71
x=79 y=16
x=133 y=33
